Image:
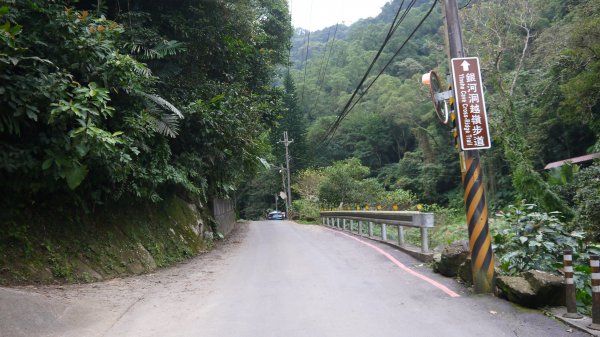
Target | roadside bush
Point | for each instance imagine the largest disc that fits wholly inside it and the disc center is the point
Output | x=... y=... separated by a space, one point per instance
x=403 y=198
x=342 y=183
x=450 y=224
x=587 y=200
x=306 y=210
x=526 y=239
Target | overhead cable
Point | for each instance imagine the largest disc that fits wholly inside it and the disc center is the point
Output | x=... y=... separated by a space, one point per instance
x=351 y=102
x=321 y=76
x=393 y=27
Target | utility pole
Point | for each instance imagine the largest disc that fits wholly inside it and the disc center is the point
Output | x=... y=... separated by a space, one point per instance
x=287 y=142
x=482 y=258
x=284 y=189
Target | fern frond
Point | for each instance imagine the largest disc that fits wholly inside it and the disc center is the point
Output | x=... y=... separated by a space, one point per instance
x=167 y=125
x=159 y=51
x=163 y=103
x=168 y=48
x=141 y=69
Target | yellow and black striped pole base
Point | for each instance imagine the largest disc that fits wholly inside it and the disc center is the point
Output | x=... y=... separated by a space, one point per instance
x=480 y=242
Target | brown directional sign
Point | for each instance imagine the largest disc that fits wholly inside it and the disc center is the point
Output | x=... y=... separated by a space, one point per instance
x=472 y=120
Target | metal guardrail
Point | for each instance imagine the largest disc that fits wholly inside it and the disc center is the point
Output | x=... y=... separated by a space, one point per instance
x=401 y=219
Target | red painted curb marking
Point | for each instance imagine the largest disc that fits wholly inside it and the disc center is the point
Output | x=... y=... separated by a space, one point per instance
x=401 y=265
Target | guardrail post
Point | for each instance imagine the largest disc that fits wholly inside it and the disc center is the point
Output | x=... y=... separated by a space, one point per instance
x=401 y=235
x=595 y=264
x=570 y=285
x=424 y=240
x=367 y=220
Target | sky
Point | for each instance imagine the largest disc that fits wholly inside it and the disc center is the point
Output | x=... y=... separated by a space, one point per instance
x=318 y=14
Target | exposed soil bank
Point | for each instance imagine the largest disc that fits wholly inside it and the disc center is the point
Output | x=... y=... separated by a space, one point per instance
x=123 y=239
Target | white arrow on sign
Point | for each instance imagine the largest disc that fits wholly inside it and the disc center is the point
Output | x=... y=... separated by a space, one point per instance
x=465 y=65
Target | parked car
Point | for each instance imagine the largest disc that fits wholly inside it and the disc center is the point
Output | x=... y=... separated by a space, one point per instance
x=276 y=215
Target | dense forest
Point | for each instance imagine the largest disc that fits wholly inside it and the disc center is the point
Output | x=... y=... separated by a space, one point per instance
x=538 y=63
x=539 y=60
x=120 y=121
x=117 y=100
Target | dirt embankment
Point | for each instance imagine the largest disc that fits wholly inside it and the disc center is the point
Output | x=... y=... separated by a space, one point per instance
x=129 y=238
x=75 y=310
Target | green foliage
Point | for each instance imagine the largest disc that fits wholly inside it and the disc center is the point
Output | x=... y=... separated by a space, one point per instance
x=82 y=117
x=404 y=199
x=306 y=210
x=578 y=63
x=49 y=245
x=525 y=239
x=226 y=134
x=428 y=180
x=587 y=201
x=450 y=225
x=257 y=196
x=346 y=184
x=73 y=125
x=563 y=175
x=524 y=50
x=343 y=183
x=307 y=183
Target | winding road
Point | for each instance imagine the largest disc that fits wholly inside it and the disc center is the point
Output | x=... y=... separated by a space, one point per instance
x=280 y=279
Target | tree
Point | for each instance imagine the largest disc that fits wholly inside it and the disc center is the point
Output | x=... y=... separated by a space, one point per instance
x=342 y=183
x=501 y=35
x=83 y=117
x=307 y=183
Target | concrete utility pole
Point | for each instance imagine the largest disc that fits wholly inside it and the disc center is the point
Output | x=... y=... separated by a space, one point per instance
x=482 y=258
x=287 y=142
x=283 y=186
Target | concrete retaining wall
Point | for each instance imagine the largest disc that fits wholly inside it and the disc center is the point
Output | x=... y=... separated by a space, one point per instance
x=224 y=214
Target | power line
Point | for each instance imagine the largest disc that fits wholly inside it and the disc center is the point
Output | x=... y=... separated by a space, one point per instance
x=306 y=55
x=351 y=103
x=391 y=59
x=320 y=68
x=348 y=108
x=362 y=81
x=321 y=77
x=393 y=27
x=305 y=67
x=324 y=55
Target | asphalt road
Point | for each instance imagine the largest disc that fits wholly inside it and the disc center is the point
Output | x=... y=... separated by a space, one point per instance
x=278 y=278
